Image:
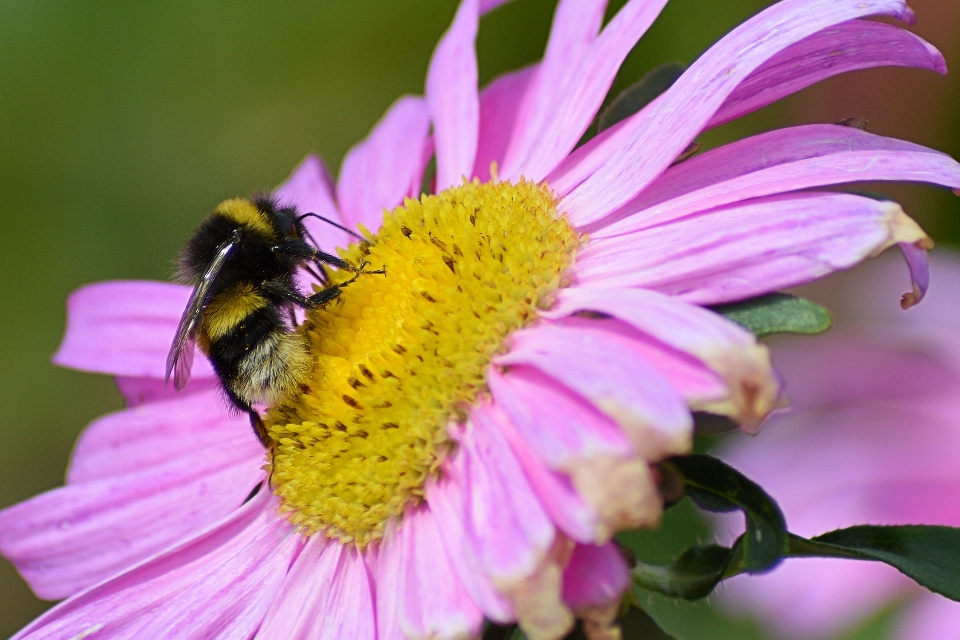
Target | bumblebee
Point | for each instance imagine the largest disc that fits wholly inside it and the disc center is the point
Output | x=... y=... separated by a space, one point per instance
x=241 y=262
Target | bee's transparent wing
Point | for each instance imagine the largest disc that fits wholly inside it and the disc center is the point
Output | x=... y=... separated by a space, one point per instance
x=180 y=358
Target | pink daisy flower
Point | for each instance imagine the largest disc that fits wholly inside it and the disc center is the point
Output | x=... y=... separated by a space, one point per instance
x=882 y=391
x=481 y=421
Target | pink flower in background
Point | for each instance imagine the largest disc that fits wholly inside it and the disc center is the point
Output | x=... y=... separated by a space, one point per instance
x=167 y=526
x=873 y=439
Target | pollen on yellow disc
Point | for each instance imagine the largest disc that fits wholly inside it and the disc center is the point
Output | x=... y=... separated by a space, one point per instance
x=399 y=356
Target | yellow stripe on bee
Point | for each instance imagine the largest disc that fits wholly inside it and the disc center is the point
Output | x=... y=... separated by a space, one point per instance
x=244 y=212
x=230 y=308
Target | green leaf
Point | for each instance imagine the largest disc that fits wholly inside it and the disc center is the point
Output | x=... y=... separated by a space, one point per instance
x=640 y=94
x=694 y=575
x=716 y=486
x=502 y=632
x=638 y=625
x=777 y=313
x=928 y=554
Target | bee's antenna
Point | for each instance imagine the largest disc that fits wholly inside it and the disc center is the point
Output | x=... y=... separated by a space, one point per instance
x=330 y=222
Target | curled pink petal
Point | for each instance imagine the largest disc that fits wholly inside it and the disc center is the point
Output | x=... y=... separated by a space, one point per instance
x=424 y=598
x=310 y=189
x=216 y=584
x=858 y=44
x=749 y=249
x=918 y=260
x=776 y=162
x=380 y=171
x=577 y=70
x=124 y=328
x=499 y=103
x=452 y=97
x=327 y=595
x=603 y=177
x=616 y=378
x=596 y=576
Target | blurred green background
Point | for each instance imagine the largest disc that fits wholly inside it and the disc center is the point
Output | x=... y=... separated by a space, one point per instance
x=122 y=123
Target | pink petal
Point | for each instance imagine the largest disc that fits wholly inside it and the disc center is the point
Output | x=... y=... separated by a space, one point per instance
x=380 y=171
x=218 y=584
x=560 y=427
x=849 y=46
x=417 y=593
x=865 y=369
x=489 y=517
x=445 y=500
x=796 y=602
x=930 y=617
x=569 y=434
x=577 y=70
x=124 y=328
x=490 y=5
x=327 y=595
x=135 y=439
x=310 y=189
x=917 y=255
x=505 y=531
x=596 y=576
x=775 y=162
x=724 y=346
x=139 y=391
x=65 y=540
x=749 y=249
x=600 y=179
x=499 y=103
x=575 y=27
x=555 y=491
x=872 y=487
x=452 y=97
x=611 y=372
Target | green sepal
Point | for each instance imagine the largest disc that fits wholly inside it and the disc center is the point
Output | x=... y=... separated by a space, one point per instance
x=716 y=486
x=640 y=94
x=928 y=554
x=777 y=313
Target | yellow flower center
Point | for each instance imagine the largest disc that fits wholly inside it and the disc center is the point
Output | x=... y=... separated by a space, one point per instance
x=400 y=356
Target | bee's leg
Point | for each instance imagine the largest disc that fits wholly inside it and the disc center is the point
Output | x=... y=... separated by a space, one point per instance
x=286 y=293
x=259 y=429
x=305 y=252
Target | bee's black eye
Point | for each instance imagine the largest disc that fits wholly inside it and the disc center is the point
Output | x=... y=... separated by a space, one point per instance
x=287 y=223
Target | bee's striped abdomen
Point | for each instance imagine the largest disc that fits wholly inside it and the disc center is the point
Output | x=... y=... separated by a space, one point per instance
x=230 y=308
